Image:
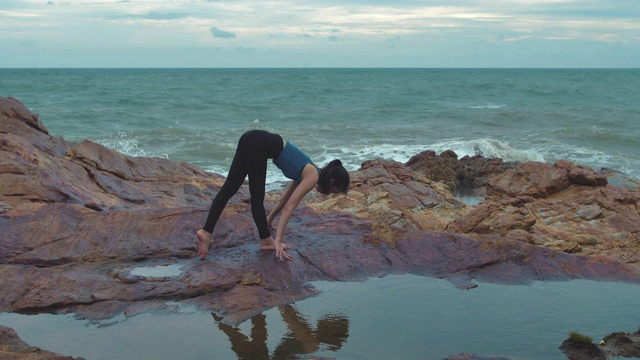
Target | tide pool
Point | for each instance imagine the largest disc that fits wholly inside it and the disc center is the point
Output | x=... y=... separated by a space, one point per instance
x=394 y=317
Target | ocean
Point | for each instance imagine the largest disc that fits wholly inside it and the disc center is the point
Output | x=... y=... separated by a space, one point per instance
x=588 y=116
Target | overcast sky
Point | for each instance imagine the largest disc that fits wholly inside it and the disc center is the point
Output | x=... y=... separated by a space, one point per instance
x=334 y=33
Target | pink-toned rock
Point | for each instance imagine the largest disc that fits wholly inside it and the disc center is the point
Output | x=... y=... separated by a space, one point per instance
x=392 y=194
x=533 y=179
x=38 y=168
x=77 y=219
x=582 y=175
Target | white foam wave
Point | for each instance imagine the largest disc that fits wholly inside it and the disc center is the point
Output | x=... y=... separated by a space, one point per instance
x=127 y=145
x=488 y=148
x=484 y=106
x=541 y=150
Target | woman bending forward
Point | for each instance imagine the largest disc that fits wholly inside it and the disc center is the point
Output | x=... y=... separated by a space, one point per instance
x=255 y=147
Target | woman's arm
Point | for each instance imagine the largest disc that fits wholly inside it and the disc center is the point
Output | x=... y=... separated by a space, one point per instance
x=308 y=182
x=283 y=200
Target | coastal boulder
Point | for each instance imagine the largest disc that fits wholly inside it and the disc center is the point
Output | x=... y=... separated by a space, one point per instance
x=625 y=344
x=394 y=195
x=37 y=168
x=437 y=167
x=475 y=172
x=534 y=179
x=576 y=350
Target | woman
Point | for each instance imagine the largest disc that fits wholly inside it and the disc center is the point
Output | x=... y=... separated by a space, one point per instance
x=255 y=147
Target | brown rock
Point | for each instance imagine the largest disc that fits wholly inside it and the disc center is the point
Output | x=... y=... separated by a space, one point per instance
x=437 y=168
x=622 y=344
x=578 y=351
x=538 y=180
x=475 y=172
x=78 y=218
x=614 y=345
x=582 y=175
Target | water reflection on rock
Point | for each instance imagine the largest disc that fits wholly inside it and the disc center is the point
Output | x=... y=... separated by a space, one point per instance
x=331 y=330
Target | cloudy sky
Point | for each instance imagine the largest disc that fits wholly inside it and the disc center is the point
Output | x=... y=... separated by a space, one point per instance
x=333 y=33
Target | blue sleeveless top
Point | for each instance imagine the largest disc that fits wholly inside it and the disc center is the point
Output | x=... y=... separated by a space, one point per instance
x=291 y=161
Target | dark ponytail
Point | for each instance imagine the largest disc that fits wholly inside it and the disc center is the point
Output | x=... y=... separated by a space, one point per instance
x=334 y=175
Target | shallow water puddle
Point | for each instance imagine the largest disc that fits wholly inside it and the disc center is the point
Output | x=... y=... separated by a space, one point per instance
x=467 y=196
x=395 y=317
x=158 y=271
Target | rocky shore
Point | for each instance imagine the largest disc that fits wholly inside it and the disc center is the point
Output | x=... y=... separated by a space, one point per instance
x=77 y=218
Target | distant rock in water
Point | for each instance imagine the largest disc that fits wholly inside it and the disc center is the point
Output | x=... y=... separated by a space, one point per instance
x=615 y=345
x=576 y=350
x=78 y=218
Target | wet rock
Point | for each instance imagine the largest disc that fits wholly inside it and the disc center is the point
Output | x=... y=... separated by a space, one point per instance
x=475 y=172
x=76 y=219
x=617 y=344
x=14 y=348
x=622 y=344
x=617 y=178
x=576 y=350
x=470 y=172
x=437 y=168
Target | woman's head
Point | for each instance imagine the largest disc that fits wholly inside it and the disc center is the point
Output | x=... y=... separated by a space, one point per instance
x=334 y=179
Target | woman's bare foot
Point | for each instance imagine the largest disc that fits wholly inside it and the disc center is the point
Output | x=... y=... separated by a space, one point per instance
x=204 y=239
x=267 y=244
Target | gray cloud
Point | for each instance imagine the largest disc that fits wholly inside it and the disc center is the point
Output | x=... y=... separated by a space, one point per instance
x=432 y=32
x=166 y=16
x=152 y=15
x=221 y=33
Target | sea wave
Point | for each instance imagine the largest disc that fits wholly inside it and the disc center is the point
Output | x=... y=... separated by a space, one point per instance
x=126 y=144
x=489 y=148
x=482 y=106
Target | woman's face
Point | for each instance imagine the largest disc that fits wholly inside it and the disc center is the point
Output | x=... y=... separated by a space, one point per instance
x=331 y=190
x=320 y=190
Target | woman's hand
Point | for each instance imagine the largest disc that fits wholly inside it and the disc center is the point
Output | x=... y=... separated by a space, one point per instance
x=280 y=253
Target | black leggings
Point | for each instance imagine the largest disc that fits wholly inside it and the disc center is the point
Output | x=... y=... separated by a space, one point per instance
x=254 y=148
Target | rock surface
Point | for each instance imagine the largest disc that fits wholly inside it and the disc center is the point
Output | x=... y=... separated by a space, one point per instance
x=615 y=345
x=77 y=219
x=575 y=350
x=622 y=344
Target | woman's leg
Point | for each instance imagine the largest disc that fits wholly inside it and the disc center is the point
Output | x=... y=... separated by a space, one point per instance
x=237 y=174
x=257 y=179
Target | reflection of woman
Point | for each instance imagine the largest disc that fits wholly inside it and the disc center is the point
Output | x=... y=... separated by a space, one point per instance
x=332 y=330
x=255 y=147
x=245 y=349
